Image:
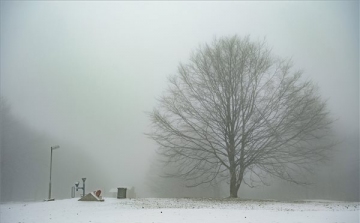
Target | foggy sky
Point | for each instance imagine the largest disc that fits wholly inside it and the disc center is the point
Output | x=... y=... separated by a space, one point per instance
x=87 y=72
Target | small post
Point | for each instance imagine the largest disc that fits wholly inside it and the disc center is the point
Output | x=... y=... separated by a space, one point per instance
x=83 y=179
x=81 y=188
x=72 y=191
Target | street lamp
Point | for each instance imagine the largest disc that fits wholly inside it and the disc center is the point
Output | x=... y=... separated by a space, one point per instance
x=52 y=148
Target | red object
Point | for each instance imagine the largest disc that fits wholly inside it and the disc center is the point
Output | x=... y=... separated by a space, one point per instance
x=97 y=193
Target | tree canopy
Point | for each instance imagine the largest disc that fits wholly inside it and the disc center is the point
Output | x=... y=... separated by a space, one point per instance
x=235 y=112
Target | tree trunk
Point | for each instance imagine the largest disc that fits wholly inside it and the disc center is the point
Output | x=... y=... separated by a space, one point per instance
x=233 y=190
x=235 y=184
x=234 y=187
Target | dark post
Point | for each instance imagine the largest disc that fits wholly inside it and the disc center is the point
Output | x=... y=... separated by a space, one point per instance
x=83 y=179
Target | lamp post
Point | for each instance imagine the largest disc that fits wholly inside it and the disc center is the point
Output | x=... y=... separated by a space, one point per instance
x=52 y=148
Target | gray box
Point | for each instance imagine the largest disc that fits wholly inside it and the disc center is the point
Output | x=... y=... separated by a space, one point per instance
x=121 y=193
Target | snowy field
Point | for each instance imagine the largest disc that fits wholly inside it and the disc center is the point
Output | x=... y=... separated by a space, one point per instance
x=178 y=210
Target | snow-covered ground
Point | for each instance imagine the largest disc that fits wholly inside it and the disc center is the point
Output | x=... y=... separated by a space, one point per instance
x=179 y=210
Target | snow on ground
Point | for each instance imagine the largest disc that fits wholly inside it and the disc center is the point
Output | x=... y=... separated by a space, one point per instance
x=179 y=210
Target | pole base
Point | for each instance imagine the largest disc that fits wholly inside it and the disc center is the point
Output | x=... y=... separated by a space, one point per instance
x=52 y=199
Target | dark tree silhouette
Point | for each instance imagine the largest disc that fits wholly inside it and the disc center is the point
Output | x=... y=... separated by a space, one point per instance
x=236 y=112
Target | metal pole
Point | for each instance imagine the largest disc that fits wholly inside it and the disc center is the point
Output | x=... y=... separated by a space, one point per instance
x=51 y=149
x=50 y=173
x=83 y=186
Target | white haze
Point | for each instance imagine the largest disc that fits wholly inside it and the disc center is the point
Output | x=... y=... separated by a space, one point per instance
x=85 y=73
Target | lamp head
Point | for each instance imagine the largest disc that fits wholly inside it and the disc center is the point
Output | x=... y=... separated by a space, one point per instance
x=55 y=147
x=77 y=184
x=83 y=179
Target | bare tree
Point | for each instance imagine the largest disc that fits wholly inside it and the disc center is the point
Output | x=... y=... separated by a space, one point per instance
x=239 y=113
